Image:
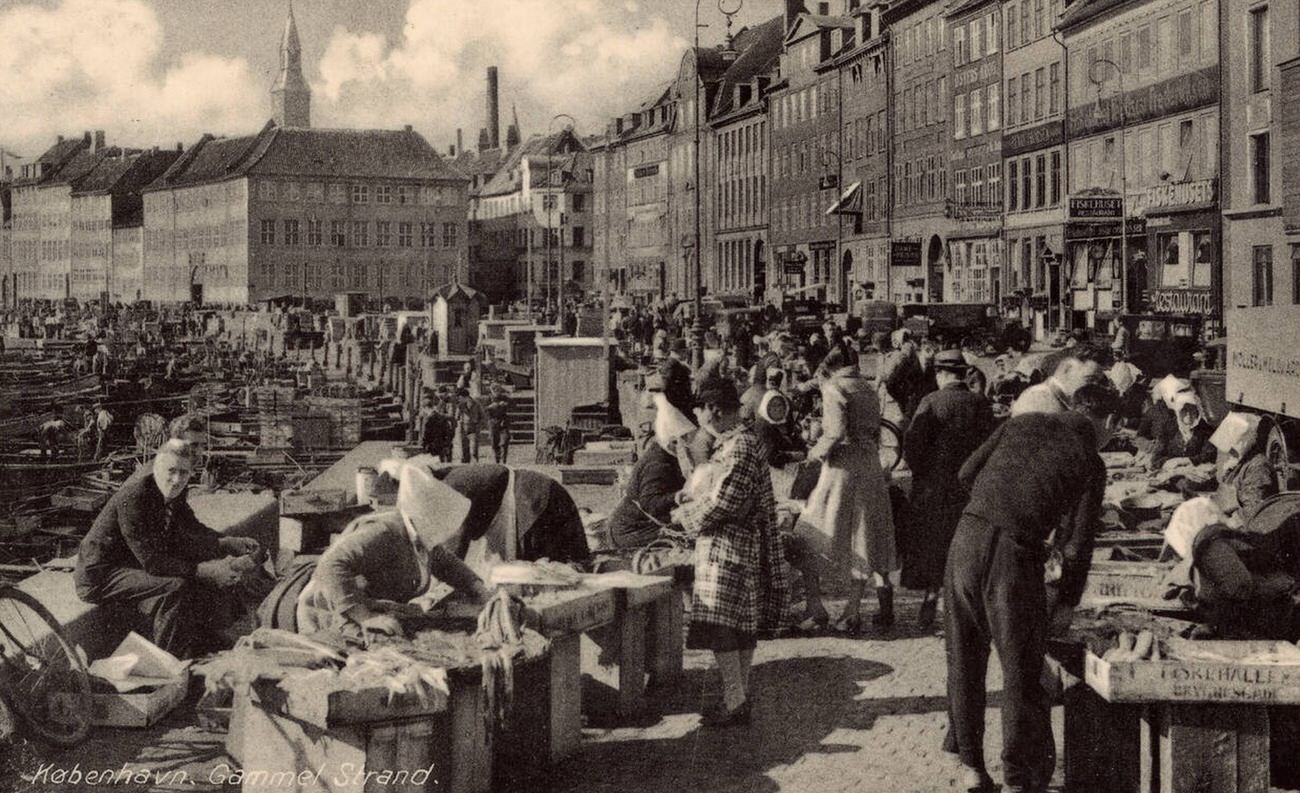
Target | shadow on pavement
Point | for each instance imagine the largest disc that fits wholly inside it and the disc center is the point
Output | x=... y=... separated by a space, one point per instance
x=799 y=703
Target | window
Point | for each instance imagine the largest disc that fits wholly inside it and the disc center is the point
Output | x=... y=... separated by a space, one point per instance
x=1026 y=109
x=360 y=233
x=1040 y=19
x=976 y=188
x=291 y=232
x=383 y=194
x=266 y=191
x=994 y=102
x=1054 y=90
x=360 y=194
x=1013 y=27
x=1026 y=19
x=338 y=237
x=1262 y=280
x=995 y=185
x=1013 y=102
x=448 y=235
x=268 y=232
x=1040 y=92
x=404 y=194
x=1143 y=49
x=404 y=235
x=428 y=235
x=959 y=180
x=977 y=111
x=1259 y=169
x=313 y=232
x=991 y=33
x=383 y=232
x=959 y=45
x=1056 y=178
x=1186 y=35
x=579 y=202
x=1026 y=183
x=1259 y=49
x=976 y=39
x=1126 y=51
x=959 y=117
x=942 y=104
x=579 y=237
x=1013 y=191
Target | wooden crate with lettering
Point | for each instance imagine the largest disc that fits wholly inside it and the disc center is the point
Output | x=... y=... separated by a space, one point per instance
x=1199 y=680
x=1139 y=583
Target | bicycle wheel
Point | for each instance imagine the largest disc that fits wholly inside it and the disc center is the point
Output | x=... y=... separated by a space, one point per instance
x=891 y=446
x=42 y=675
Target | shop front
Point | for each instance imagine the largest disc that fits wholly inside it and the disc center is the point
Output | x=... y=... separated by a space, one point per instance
x=1099 y=281
x=1031 y=284
x=1183 y=245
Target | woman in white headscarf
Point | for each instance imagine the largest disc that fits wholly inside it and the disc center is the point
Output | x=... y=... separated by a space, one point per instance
x=1184 y=433
x=654 y=482
x=1246 y=477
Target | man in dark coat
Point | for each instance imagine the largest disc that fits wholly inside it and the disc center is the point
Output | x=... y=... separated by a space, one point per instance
x=1037 y=476
x=949 y=424
x=147 y=550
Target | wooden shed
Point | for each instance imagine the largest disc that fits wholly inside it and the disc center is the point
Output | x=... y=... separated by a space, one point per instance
x=455 y=315
x=571 y=373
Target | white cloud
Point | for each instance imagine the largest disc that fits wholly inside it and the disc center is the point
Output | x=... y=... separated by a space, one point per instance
x=95 y=64
x=587 y=58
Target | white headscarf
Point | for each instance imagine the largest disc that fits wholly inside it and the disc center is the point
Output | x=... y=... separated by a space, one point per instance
x=1236 y=434
x=1188 y=521
x=1168 y=388
x=670 y=424
x=1182 y=400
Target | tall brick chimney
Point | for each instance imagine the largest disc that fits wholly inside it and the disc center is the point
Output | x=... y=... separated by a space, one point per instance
x=493 y=110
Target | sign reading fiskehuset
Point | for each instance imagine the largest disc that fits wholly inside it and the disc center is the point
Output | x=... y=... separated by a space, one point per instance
x=1096 y=207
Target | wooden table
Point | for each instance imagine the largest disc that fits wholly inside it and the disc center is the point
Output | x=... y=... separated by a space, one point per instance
x=1176 y=726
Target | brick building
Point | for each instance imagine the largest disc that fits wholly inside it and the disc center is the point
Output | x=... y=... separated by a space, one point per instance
x=305 y=212
x=921 y=139
x=805 y=110
x=1033 y=170
x=975 y=154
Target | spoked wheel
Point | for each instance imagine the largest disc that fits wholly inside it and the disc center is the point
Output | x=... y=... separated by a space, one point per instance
x=1275 y=451
x=891 y=446
x=42 y=676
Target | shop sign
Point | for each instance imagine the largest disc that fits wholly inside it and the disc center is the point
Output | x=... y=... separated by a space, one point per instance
x=1175 y=196
x=1096 y=207
x=793 y=268
x=1136 y=227
x=1010 y=303
x=646 y=170
x=905 y=253
x=1175 y=95
x=1032 y=139
x=1182 y=301
x=1038 y=302
x=822 y=245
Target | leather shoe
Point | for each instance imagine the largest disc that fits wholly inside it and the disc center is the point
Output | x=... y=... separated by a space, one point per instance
x=727 y=718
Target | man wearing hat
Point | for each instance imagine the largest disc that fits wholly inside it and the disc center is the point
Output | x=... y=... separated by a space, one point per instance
x=1053 y=394
x=949 y=424
x=390 y=556
x=498 y=420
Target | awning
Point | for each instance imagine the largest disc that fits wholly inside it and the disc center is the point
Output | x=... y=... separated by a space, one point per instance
x=850 y=202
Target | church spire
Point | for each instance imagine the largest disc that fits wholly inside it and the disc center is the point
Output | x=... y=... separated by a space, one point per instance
x=291 y=96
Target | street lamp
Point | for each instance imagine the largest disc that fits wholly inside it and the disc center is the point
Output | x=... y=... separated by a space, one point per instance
x=834 y=266
x=550 y=204
x=1123 y=172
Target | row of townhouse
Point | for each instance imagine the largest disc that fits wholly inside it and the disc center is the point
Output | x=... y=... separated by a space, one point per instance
x=1067 y=162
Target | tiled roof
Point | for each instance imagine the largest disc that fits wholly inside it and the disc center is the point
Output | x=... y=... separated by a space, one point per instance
x=508 y=176
x=759 y=49
x=297 y=151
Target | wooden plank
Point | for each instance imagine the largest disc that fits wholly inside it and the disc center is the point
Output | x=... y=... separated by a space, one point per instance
x=1213 y=749
x=566 y=696
x=574 y=610
x=614 y=656
x=666 y=642
x=1139 y=583
x=471 y=752
x=1197 y=681
x=1103 y=746
x=637 y=590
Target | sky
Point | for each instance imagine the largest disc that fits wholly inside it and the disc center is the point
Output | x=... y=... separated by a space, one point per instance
x=159 y=72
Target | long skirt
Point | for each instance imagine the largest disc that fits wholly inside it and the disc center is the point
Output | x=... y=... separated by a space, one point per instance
x=848 y=523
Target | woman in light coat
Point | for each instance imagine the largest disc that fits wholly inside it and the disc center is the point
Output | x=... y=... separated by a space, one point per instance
x=848 y=524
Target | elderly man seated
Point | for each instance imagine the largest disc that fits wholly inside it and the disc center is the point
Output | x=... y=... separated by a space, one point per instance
x=147 y=550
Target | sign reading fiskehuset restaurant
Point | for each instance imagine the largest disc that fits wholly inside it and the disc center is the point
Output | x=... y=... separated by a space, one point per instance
x=1096 y=207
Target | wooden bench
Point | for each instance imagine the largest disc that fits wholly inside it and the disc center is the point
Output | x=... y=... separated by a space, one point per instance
x=1176 y=726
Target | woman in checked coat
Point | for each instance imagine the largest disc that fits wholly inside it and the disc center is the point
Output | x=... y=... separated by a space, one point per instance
x=741 y=586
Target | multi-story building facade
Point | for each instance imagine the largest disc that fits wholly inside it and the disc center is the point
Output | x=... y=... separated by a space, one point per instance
x=1260 y=134
x=305 y=212
x=739 y=134
x=805 y=114
x=921 y=138
x=864 y=204
x=1034 y=163
x=1142 y=122
x=106 y=203
x=975 y=258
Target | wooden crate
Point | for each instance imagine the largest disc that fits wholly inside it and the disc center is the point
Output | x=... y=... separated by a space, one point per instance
x=1197 y=681
x=315 y=501
x=140 y=708
x=1139 y=583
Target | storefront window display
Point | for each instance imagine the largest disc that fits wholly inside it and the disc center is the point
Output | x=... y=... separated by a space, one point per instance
x=1186 y=259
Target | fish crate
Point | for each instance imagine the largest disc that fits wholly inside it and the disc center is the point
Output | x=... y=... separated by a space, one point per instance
x=1139 y=583
x=1225 y=673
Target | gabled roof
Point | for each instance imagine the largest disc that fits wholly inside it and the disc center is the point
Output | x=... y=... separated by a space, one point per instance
x=509 y=176
x=62 y=155
x=448 y=291
x=806 y=25
x=309 y=152
x=78 y=166
x=126 y=172
x=759 y=49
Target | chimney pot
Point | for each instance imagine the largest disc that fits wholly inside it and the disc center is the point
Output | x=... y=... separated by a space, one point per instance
x=85 y=136
x=99 y=139
x=407 y=127
x=179 y=146
x=60 y=140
